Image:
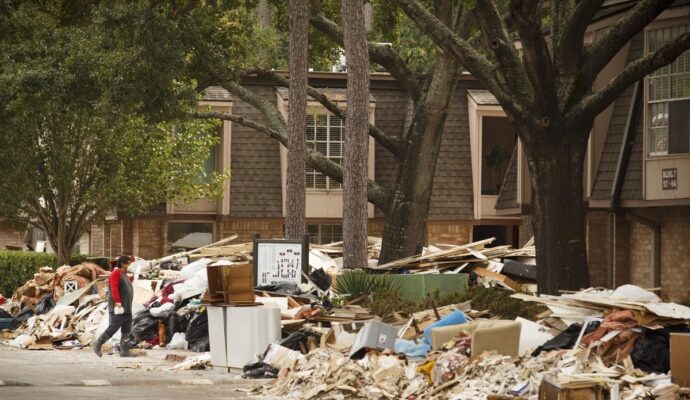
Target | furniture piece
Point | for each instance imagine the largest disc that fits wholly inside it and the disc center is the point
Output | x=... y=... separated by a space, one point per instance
x=237 y=335
x=502 y=336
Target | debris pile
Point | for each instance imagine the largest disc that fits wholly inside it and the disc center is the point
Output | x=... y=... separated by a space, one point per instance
x=615 y=345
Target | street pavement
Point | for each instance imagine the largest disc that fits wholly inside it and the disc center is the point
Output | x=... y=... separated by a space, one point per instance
x=79 y=374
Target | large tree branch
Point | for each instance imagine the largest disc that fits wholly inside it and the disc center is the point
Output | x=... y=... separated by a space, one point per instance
x=378 y=53
x=275 y=118
x=466 y=55
x=598 y=55
x=568 y=40
x=594 y=104
x=536 y=57
x=501 y=46
x=377 y=194
x=392 y=143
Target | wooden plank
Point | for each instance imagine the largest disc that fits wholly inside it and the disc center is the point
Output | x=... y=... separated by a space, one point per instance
x=483 y=272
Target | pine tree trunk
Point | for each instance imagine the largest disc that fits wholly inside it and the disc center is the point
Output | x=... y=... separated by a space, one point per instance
x=558 y=214
x=404 y=228
x=297 y=121
x=356 y=136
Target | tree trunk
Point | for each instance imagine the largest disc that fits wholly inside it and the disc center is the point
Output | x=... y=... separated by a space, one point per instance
x=558 y=212
x=355 y=216
x=403 y=233
x=297 y=121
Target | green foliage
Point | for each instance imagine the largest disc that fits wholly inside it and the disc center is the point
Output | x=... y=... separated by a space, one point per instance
x=499 y=303
x=90 y=97
x=322 y=52
x=357 y=282
x=18 y=267
x=384 y=303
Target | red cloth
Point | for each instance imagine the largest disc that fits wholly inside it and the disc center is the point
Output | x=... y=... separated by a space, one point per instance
x=115 y=284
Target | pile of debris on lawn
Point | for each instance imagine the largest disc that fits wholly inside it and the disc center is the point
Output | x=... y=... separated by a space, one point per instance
x=334 y=343
x=613 y=345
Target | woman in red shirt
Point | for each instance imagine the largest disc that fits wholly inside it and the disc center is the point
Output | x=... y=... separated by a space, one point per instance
x=120 y=298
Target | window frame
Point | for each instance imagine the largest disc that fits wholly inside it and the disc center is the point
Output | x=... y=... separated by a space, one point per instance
x=318 y=236
x=187 y=221
x=331 y=184
x=647 y=129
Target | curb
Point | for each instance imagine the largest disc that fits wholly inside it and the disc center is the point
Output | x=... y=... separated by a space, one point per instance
x=147 y=382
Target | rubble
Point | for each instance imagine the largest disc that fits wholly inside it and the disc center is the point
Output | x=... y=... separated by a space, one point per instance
x=333 y=347
x=589 y=361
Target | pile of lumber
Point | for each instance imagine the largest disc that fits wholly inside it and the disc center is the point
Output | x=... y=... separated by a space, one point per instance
x=450 y=257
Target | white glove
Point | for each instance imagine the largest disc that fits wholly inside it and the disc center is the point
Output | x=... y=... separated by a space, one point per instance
x=118 y=309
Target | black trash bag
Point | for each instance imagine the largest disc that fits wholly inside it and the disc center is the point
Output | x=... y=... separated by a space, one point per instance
x=45 y=304
x=22 y=316
x=651 y=352
x=5 y=314
x=197 y=332
x=144 y=326
x=565 y=339
x=170 y=265
x=320 y=278
x=298 y=340
x=183 y=322
x=281 y=287
x=259 y=370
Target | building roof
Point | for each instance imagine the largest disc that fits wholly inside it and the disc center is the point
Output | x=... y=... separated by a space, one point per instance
x=338 y=94
x=216 y=93
x=483 y=97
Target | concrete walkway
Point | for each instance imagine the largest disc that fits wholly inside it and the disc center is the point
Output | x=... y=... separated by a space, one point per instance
x=75 y=374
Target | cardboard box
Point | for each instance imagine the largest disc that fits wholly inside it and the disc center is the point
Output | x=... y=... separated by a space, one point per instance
x=680 y=355
x=231 y=284
x=374 y=335
x=549 y=390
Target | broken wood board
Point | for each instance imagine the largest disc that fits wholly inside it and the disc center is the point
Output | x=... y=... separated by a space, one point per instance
x=495 y=277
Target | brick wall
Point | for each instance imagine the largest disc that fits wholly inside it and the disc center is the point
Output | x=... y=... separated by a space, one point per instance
x=97 y=240
x=149 y=238
x=675 y=250
x=127 y=233
x=621 y=268
x=597 y=247
x=375 y=227
x=456 y=232
x=246 y=228
x=113 y=242
x=633 y=245
x=641 y=240
x=10 y=235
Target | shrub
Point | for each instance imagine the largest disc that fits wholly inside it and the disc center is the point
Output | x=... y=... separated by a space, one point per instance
x=17 y=267
x=499 y=303
x=355 y=282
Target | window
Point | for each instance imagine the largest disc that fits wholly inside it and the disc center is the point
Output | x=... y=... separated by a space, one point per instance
x=183 y=236
x=669 y=98
x=498 y=142
x=325 y=233
x=325 y=135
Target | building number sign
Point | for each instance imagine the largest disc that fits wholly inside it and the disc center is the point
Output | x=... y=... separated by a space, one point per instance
x=669 y=179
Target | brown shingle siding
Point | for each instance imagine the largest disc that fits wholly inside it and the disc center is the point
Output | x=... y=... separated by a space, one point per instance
x=632 y=183
x=451 y=197
x=255 y=187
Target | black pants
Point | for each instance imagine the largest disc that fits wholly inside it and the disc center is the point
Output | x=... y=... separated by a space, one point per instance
x=118 y=322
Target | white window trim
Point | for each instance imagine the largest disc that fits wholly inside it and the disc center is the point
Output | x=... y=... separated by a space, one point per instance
x=324 y=203
x=647 y=154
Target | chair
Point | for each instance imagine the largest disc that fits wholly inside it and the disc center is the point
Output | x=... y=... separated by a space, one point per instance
x=503 y=336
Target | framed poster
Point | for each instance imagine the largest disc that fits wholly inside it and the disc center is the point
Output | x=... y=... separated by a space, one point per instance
x=280 y=261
